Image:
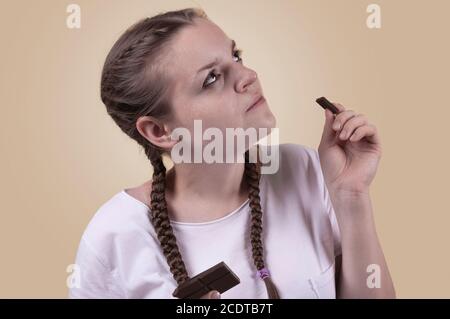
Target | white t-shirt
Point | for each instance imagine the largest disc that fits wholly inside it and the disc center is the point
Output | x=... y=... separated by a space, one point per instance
x=119 y=255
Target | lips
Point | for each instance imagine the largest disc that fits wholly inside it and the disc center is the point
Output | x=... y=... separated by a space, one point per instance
x=257 y=100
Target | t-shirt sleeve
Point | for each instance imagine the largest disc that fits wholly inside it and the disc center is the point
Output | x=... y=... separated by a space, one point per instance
x=91 y=277
x=334 y=223
x=329 y=208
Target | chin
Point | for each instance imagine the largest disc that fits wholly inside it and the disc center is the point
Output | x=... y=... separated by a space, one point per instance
x=265 y=120
x=263 y=124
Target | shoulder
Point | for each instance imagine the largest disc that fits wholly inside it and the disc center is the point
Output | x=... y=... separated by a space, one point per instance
x=299 y=185
x=298 y=178
x=118 y=221
x=296 y=163
x=291 y=154
x=141 y=192
x=118 y=234
x=298 y=154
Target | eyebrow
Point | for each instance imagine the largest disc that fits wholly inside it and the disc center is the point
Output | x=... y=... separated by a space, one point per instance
x=209 y=65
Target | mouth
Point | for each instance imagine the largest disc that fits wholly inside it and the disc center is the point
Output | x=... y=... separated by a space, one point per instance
x=258 y=101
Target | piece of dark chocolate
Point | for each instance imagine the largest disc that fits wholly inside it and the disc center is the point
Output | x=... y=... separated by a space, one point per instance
x=219 y=277
x=323 y=102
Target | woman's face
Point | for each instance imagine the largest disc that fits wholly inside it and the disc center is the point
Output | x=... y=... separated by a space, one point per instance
x=217 y=94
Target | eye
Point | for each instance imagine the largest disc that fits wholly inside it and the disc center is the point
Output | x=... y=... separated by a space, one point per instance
x=213 y=76
x=238 y=54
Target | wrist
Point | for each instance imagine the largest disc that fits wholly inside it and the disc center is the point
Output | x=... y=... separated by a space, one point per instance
x=355 y=192
x=352 y=207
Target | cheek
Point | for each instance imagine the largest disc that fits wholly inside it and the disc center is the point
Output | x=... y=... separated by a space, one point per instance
x=215 y=105
x=221 y=113
x=213 y=101
x=214 y=110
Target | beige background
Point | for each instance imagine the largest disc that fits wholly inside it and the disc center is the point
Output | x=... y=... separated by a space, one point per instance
x=62 y=156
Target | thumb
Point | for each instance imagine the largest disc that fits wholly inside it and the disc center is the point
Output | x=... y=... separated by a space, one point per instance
x=328 y=134
x=213 y=294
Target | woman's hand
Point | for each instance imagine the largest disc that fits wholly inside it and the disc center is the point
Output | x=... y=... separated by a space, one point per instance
x=349 y=162
x=213 y=294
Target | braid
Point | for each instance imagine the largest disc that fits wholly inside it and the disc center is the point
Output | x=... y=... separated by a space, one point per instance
x=161 y=222
x=141 y=46
x=253 y=174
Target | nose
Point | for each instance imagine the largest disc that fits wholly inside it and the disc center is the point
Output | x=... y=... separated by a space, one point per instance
x=248 y=76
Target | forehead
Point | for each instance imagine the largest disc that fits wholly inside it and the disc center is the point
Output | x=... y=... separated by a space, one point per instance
x=193 y=47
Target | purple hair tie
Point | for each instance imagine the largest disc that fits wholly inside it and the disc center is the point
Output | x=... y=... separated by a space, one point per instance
x=263 y=273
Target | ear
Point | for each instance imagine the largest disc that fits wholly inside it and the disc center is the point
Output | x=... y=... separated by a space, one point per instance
x=155 y=132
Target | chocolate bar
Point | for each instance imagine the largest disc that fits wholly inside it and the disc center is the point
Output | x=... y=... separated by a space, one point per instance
x=219 y=277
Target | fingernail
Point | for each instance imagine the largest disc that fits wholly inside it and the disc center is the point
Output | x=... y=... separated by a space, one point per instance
x=215 y=295
x=337 y=126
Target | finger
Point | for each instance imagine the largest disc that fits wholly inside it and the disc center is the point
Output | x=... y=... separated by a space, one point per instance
x=341 y=118
x=214 y=294
x=369 y=132
x=328 y=134
x=351 y=125
x=339 y=106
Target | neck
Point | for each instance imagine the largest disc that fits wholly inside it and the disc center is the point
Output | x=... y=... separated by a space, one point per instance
x=200 y=192
x=217 y=182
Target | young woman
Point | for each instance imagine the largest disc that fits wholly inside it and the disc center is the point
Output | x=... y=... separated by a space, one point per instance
x=305 y=231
